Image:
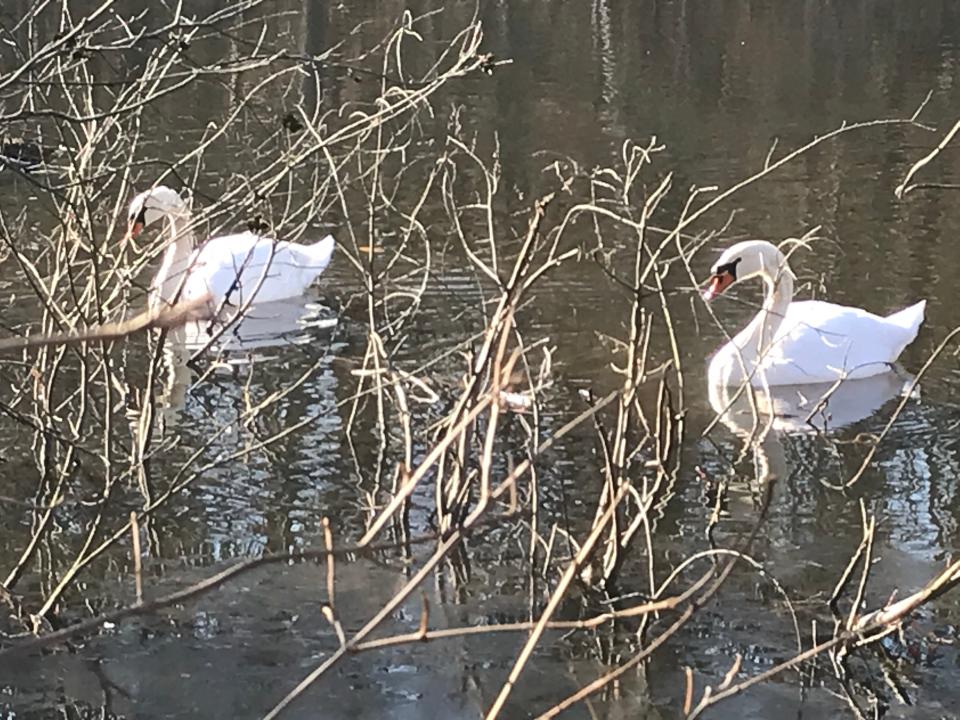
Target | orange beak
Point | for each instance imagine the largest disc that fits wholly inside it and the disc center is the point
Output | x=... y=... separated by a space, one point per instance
x=718 y=283
x=134 y=231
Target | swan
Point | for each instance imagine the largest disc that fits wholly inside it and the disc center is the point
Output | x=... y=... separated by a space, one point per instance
x=228 y=270
x=798 y=343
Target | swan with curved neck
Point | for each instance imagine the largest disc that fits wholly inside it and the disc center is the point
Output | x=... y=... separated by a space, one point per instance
x=797 y=343
x=231 y=270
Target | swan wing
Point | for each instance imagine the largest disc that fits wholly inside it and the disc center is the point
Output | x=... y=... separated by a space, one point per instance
x=234 y=268
x=820 y=342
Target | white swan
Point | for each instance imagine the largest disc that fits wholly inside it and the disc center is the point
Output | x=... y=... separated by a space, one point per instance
x=797 y=343
x=228 y=270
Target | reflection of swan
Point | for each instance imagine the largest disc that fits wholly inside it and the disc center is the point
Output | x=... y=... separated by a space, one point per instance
x=228 y=270
x=788 y=409
x=805 y=408
x=272 y=324
x=796 y=343
x=175 y=379
x=294 y=321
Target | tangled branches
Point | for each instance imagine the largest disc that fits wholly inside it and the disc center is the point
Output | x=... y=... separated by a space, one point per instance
x=422 y=367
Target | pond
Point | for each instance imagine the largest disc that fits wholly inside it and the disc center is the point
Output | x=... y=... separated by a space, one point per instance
x=427 y=139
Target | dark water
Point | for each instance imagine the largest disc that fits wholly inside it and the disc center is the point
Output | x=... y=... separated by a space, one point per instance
x=717 y=83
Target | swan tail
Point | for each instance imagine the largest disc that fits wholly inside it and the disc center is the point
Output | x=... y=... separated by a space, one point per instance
x=909 y=318
x=321 y=253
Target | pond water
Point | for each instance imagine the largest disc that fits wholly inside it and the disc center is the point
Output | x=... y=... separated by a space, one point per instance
x=717 y=83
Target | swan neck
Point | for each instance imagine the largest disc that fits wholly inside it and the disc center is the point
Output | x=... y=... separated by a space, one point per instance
x=175 y=258
x=779 y=295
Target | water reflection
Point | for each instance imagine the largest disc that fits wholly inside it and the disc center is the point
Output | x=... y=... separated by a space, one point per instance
x=231 y=389
x=238 y=339
x=293 y=321
x=763 y=418
x=820 y=407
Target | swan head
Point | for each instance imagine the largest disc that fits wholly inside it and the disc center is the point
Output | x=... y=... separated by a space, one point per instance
x=152 y=206
x=745 y=260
